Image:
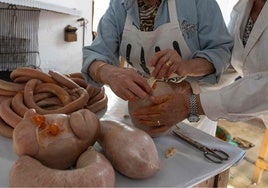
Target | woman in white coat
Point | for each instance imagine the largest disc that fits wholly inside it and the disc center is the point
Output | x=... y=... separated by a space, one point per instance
x=247 y=97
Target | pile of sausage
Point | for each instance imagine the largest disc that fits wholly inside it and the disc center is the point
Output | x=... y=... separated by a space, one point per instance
x=48 y=145
x=51 y=119
x=47 y=93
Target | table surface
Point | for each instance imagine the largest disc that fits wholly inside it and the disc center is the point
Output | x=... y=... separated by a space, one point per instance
x=186 y=168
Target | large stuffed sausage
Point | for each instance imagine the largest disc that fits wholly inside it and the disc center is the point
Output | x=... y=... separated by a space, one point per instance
x=56 y=140
x=92 y=170
x=131 y=151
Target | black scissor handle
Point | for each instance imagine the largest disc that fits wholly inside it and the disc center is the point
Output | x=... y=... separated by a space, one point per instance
x=212 y=154
x=216 y=155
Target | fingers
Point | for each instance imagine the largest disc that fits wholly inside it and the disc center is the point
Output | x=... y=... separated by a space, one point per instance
x=131 y=92
x=159 y=56
x=129 y=85
x=134 y=90
x=147 y=116
x=150 y=123
x=152 y=110
x=169 y=63
x=165 y=63
x=171 y=70
x=151 y=115
x=142 y=88
x=166 y=70
x=127 y=94
x=158 y=62
x=150 y=120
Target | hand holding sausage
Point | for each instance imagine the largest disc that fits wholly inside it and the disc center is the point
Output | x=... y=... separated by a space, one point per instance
x=125 y=83
x=168 y=106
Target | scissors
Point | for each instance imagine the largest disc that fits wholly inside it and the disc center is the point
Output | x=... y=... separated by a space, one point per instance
x=212 y=154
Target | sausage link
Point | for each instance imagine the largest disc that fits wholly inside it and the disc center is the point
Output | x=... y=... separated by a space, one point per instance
x=68 y=108
x=22 y=79
x=48 y=102
x=93 y=170
x=95 y=91
x=99 y=105
x=40 y=96
x=76 y=75
x=7 y=93
x=32 y=73
x=11 y=86
x=81 y=82
x=97 y=97
x=17 y=104
x=62 y=79
x=55 y=89
x=8 y=115
x=3 y=98
x=90 y=90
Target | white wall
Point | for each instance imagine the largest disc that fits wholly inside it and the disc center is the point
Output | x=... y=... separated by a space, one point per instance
x=226 y=8
x=55 y=53
x=100 y=7
x=68 y=3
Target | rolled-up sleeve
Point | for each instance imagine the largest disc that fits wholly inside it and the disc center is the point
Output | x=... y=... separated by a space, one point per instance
x=215 y=41
x=105 y=47
x=246 y=98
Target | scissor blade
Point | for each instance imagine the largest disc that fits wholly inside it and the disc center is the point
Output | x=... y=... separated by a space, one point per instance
x=189 y=140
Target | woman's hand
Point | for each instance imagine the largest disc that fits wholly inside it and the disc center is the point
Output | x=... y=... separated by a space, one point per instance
x=166 y=111
x=128 y=84
x=166 y=62
x=124 y=82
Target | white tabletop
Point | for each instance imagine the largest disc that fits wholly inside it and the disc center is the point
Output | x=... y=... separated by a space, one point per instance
x=186 y=168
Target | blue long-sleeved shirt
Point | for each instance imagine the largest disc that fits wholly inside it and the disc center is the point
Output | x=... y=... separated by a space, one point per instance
x=206 y=36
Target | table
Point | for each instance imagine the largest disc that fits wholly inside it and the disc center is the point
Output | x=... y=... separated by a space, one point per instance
x=186 y=168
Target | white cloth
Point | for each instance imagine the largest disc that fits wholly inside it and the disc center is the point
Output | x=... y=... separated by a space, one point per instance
x=247 y=97
x=138 y=47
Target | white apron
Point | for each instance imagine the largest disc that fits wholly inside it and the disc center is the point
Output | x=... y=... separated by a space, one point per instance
x=138 y=47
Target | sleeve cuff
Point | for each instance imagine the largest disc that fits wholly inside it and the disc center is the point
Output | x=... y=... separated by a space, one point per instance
x=212 y=106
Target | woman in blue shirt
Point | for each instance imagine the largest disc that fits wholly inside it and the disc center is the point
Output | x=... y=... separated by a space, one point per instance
x=159 y=38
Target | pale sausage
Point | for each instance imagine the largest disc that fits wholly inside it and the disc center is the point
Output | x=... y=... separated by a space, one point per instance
x=131 y=151
x=31 y=74
x=92 y=170
x=56 y=140
x=8 y=115
x=68 y=108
